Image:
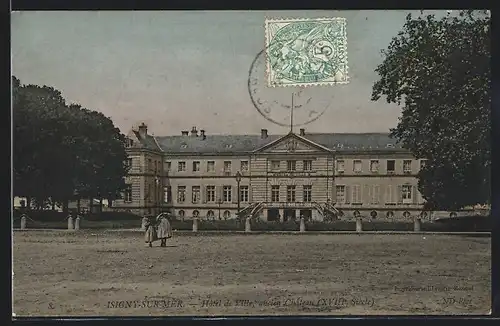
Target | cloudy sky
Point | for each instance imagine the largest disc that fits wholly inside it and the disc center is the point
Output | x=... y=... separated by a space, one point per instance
x=174 y=70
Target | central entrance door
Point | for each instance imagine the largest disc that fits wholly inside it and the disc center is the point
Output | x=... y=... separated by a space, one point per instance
x=306 y=214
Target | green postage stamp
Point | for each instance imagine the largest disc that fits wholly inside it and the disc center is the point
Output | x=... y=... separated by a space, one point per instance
x=306 y=52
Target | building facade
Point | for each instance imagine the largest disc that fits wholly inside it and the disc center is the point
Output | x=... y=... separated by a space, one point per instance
x=272 y=177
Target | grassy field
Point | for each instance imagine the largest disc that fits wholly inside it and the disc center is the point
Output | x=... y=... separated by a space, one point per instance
x=114 y=273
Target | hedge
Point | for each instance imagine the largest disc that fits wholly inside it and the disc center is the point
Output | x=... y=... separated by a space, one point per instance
x=56 y=216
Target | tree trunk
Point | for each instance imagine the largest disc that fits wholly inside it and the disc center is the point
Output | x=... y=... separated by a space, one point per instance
x=91 y=204
x=28 y=203
x=100 y=205
x=65 y=205
x=53 y=202
x=110 y=202
x=78 y=204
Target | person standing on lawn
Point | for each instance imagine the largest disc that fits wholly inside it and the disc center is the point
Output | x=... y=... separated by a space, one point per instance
x=164 y=228
x=150 y=235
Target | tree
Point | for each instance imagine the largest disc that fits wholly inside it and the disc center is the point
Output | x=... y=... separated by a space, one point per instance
x=440 y=70
x=61 y=151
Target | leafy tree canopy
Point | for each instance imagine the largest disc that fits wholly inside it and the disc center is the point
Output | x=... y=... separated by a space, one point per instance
x=438 y=69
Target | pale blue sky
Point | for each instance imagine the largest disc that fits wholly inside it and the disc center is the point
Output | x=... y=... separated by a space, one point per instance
x=174 y=70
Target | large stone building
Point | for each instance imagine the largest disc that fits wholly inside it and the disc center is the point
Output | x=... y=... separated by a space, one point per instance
x=315 y=175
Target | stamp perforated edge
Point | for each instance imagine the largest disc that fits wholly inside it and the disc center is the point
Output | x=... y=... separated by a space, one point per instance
x=285 y=20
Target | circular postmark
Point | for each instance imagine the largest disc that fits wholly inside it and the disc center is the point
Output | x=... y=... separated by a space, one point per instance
x=275 y=103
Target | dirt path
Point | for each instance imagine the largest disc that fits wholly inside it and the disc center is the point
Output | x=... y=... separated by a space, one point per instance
x=113 y=273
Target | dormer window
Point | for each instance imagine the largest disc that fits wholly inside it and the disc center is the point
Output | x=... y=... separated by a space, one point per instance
x=229 y=146
x=390 y=145
x=129 y=142
x=184 y=146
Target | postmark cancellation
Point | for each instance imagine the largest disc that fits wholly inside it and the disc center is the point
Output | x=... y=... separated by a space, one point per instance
x=306 y=52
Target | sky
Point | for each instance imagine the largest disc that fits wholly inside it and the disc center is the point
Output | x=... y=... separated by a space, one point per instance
x=174 y=70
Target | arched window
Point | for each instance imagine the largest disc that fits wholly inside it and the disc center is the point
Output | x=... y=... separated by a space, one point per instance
x=357 y=214
x=227 y=215
x=423 y=214
x=196 y=213
x=406 y=214
x=182 y=214
x=373 y=214
x=390 y=214
x=210 y=215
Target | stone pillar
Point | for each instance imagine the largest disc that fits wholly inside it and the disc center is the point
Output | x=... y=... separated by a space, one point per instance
x=143 y=224
x=248 y=227
x=77 y=223
x=23 y=222
x=70 y=222
x=195 y=224
x=416 y=224
x=359 y=225
x=302 y=225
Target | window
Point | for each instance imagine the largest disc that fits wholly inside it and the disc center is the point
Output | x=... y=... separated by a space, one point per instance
x=226 y=193
x=244 y=166
x=275 y=193
x=227 y=166
x=407 y=166
x=227 y=215
x=195 y=191
x=340 y=166
x=356 y=194
x=307 y=165
x=181 y=166
x=210 y=215
x=375 y=194
x=390 y=197
x=168 y=166
x=181 y=194
x=210 y=166
x=196 y=166
x=128 y=163
x=129 y=142
x=244 y=193
x=340 y=194
x=156 y=167
x=167 y=194
x=290 y=165
x=374 y=166
x=150 y=194
x=182 y=214
x=406 y=194
x=196 y=214
x=423 y=163
x=356 y=166
x=275 y=165
x=290 y=193
x=307 y=192
x=391 y=166
x=150 y=164
x=210 y=194
x=127 y=196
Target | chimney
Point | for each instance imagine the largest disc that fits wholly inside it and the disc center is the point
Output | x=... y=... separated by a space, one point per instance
x=143 y=130
x=185 y=133
x=194 y=132
x=302 y=132
x=263 y=133
x=202 y=134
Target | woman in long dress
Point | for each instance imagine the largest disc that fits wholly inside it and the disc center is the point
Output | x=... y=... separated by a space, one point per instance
x=164 y=229
x=150 y=235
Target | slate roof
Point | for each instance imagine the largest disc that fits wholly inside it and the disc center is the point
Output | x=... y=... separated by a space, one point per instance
x=248 y=143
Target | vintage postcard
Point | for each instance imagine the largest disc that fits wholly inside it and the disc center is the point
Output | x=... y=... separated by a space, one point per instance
x=251 y=163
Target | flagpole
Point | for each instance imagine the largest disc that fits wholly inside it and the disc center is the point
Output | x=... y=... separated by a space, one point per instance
x=291 y=117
